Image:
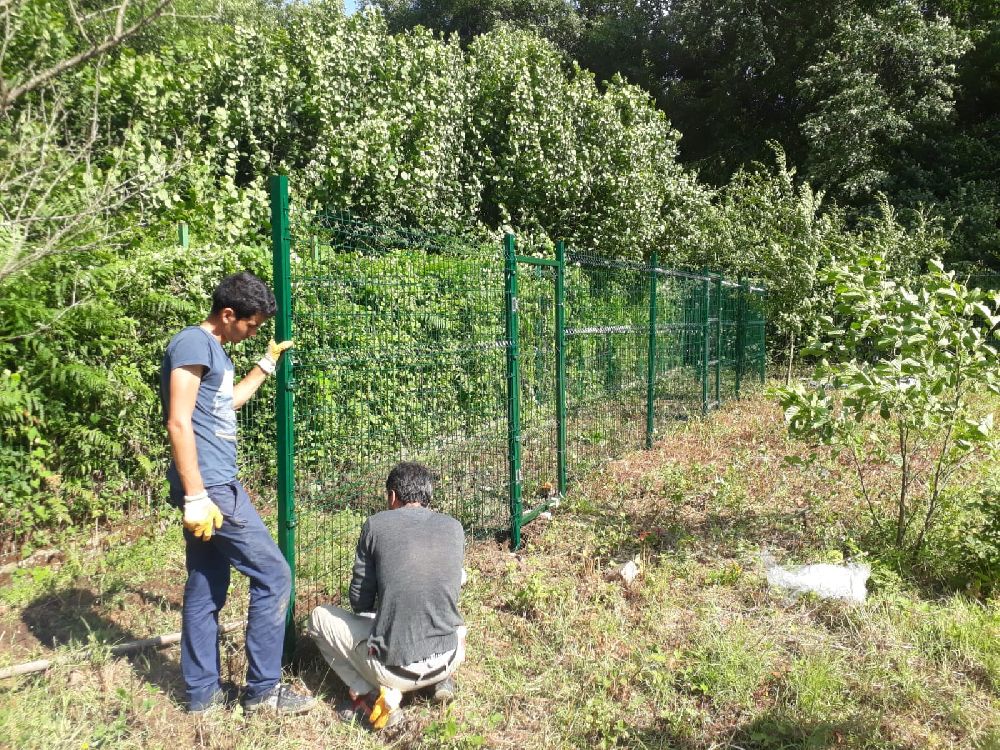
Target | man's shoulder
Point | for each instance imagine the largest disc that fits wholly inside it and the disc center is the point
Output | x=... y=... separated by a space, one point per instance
x=398 y=517
x=190 y=346
x=191 y=336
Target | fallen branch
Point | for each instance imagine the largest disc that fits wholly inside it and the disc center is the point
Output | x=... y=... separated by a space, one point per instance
x=160 y=641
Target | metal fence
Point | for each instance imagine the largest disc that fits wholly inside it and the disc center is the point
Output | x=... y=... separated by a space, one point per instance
x=508 y=374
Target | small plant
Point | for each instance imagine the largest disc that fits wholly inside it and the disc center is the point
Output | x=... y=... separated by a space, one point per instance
x=534 y=595
x=899 y=369
x=445 y=733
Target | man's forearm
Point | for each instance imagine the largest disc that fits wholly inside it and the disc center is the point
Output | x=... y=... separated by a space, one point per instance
x=185 y=453
x=247 y=387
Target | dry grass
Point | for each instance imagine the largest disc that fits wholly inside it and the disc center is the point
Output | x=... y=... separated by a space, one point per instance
x=697 y=653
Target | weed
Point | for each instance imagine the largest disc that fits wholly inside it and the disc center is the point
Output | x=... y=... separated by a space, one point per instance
x=728 y=666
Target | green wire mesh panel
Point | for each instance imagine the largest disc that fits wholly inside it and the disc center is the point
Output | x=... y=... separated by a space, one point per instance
x=754 y=356
x=607 y=345
x=730 y=323
x=538 y=407
x=399 y=355
x=679 y=341
x=714 y=330
x=256 y=456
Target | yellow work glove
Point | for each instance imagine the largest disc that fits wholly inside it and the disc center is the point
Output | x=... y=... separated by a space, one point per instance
x=201 y=516
x=388 y=701
x=274 y=351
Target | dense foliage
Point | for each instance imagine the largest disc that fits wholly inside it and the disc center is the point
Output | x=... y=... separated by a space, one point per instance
x=865 y=96
x=191 y=104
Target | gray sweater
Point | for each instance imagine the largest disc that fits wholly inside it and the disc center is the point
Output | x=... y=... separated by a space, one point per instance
x=409 y=562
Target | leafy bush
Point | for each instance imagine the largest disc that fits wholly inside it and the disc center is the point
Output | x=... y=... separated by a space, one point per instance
x=901 y=366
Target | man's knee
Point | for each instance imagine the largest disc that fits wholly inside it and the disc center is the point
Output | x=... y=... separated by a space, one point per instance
x=321 y=622
x=276 y=578
x=326 y=625
x=282 y=579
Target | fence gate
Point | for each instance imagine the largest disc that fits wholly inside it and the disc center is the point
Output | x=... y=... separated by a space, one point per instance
x=534 y=307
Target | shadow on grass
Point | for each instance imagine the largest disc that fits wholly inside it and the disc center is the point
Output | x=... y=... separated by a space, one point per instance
x=622 y=534
x=73 y=617
x=778 y=731
x=786 y=731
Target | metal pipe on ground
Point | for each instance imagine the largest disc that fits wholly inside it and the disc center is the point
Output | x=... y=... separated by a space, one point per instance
x=159 y=641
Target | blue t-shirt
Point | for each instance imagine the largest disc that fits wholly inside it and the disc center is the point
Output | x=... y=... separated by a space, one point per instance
x=214 y=419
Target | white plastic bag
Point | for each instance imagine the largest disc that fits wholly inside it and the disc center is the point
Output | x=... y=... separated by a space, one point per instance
x=827 y=581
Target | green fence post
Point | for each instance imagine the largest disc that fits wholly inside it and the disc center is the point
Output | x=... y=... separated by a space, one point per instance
x=740 y=335
x=705 y=314
x=182 y=234
x=651 y=358
x=719 y=308
x=281 y=256
x=762 y=341
x=513 y=389
x=561 y=364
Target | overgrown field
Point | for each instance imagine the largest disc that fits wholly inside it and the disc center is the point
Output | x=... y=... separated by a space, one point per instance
x=696 y=653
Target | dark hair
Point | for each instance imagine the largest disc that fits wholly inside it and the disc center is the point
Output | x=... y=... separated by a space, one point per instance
x=412 y=483
x=245 y=294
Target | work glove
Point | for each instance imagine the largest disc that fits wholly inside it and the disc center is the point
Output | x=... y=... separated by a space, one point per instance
x=388 y=701
x=201 y=516
x=274 y=351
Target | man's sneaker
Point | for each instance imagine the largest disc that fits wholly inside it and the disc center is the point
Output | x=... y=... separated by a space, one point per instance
x=355 y=710
x=444 y=691
x=281 y=700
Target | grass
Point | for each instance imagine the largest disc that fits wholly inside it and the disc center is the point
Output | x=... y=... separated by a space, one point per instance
x=697 y=653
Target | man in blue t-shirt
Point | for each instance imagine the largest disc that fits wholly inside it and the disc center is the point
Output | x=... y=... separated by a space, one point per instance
x=221 y=526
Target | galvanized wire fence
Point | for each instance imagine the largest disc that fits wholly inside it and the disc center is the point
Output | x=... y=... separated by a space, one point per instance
x=509 y=375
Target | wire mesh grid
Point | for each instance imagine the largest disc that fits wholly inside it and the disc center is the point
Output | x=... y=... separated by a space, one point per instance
x=399 y=349
x=606 y=352
x=463 y=355
x=538 y=387
x=680 y=336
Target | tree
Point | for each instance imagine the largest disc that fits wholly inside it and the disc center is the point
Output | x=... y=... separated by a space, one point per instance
x=32 y=57
x=61 y=181
x=902 y=362
x=883 y=78
x=554 y=20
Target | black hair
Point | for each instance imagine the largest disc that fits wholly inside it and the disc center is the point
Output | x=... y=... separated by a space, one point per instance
x=412 y=483
x=245 y=294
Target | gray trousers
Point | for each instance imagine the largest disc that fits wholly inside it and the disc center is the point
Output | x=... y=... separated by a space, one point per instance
x=342 y=638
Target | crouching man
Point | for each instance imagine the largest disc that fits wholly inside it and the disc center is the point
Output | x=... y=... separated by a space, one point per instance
x=406 y=632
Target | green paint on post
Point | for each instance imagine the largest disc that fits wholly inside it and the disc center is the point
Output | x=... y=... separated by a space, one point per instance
x=281 y=255
x=651 y=357
x=741 y=333
x=718 y=341
x=561 y=365
x=182 y=234
x=513 y=390
x=705 y=339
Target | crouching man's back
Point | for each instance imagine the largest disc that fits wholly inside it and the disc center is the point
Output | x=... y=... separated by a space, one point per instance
x=406 y=632
x=409 y=562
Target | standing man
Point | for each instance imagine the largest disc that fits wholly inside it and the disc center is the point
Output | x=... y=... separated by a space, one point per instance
x=221 y=526
x=407 y=633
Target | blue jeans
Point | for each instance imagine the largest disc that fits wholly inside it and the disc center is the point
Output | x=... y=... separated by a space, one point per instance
x=244 y=543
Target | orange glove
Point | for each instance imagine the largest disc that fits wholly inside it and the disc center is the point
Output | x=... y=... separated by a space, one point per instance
x=388 y=701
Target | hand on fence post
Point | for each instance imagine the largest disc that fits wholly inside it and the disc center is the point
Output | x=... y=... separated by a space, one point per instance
x=274 y=351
